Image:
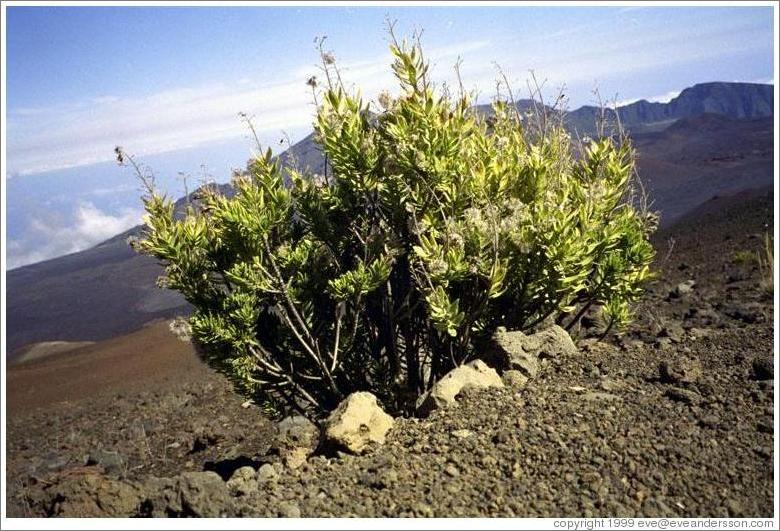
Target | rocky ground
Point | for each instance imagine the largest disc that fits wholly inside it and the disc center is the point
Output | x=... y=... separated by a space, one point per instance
x=674 y=418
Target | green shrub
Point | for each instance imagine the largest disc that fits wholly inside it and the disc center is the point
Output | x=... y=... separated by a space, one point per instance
x=433 y=225
x=742 y=257
x=766 y=265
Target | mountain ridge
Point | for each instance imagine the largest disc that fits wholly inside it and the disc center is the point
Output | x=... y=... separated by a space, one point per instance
x=108 y=289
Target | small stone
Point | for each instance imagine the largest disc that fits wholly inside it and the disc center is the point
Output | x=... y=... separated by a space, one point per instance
x=267 y=473
x=735 y=508
x=710 y=421
x=93 y=495
x=112 y=462
x=462 y=434
x=243 y=481
x=698 y=333
x=514 y=379
x=516 y=350
x=289 y=510
x=297 y=438
x=358 y=423
x=683 y=288
x=608 y=384
x=681 y=370
x=673 y=331
x=452 y=470
x=679 y=394
x=474 y=375
x=597 y=396
x=202 y=494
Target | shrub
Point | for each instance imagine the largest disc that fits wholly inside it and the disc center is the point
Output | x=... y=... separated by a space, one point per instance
x=742 y=257
x=766 y=265
x=433 y=225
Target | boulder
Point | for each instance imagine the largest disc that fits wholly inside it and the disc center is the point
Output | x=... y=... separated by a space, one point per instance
x=553 y=342
x=203 y=494
x=472 y=375
x=357 y=424
x=198 y=494
x=297 y=438
x=521 y=352
x=93 y=495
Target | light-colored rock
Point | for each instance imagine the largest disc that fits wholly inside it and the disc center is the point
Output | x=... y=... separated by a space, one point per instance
x=553 y=342
x=683 y=288
x=462 y=434
x=93 y=495
x=472 y=375
x=699 y=333
x=680 y=370
x=514 y=379
x=610 y=385
x=358 y=424
x=113 y=462
x=267 y=473
x=243 y=481
x=297 y=438
x=204 y=493
x=673 y=331
x=680 y=394
x=518 y=351
x=289 y=510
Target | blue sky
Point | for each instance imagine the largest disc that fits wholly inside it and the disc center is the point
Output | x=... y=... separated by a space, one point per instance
x=167 y=84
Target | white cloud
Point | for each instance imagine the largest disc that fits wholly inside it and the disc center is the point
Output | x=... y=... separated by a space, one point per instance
x=85 y=132
x=81 y=133
x=661 y=98
x=90 y=227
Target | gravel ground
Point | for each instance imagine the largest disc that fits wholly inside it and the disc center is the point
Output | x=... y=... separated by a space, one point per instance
x=675 y=418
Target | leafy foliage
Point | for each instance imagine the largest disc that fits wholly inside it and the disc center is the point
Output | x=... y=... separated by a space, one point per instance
x=432 y=226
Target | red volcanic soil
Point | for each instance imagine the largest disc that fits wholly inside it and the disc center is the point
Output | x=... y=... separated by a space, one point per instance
x=148 y=359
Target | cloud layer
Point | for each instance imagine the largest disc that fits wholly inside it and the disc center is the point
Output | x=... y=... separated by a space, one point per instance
x=49 y=138
x=55 y=137
x=89 y=227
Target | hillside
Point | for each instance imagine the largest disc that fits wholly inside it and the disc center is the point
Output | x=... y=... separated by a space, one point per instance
x=734 y=100
x=720 y=141
x=603 y=431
